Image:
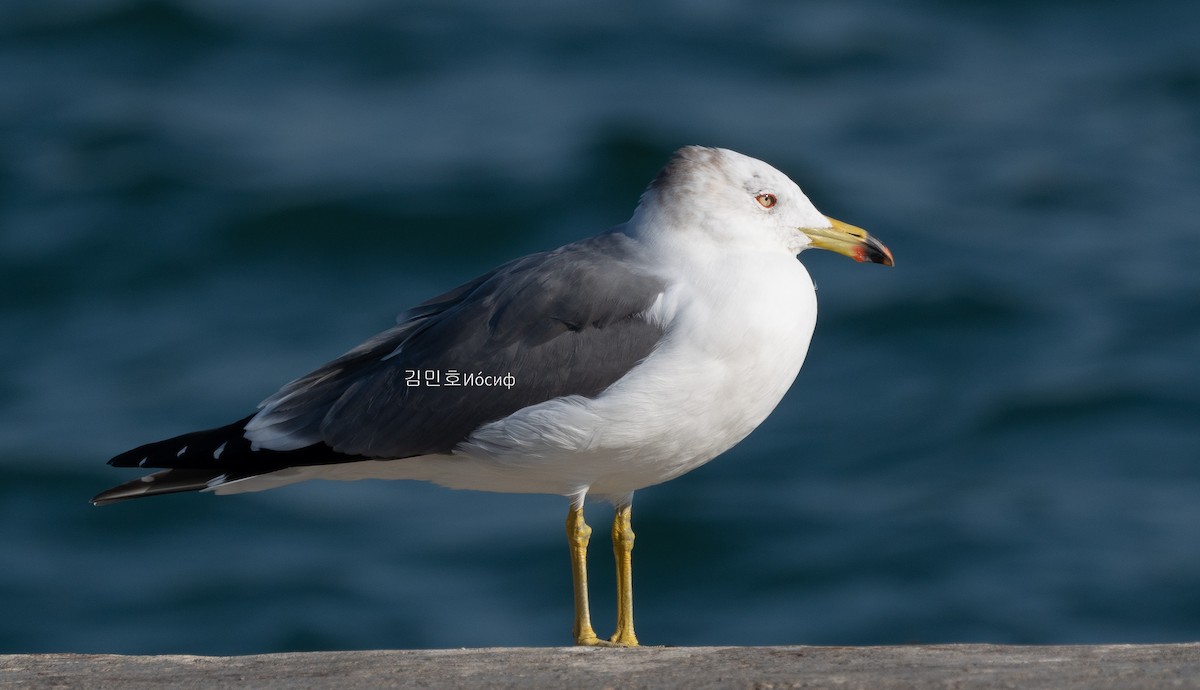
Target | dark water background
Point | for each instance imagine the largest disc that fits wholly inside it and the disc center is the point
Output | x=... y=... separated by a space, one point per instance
x=998 y=440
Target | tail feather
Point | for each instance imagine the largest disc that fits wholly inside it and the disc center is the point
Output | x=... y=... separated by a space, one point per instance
x=164 y=482
x=206 y=459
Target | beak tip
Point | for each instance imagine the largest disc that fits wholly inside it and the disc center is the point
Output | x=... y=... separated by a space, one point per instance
x=851 y=241
x=874 y=253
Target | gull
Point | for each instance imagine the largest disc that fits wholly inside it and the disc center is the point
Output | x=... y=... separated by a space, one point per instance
x=605 y=366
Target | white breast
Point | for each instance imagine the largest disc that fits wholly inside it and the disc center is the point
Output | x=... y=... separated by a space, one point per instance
x=731 y=352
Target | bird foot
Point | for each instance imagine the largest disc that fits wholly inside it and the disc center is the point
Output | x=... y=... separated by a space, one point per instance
x=623 y=640
x=616 y=641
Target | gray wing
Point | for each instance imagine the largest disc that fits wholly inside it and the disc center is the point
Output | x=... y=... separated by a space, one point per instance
x=565 y=322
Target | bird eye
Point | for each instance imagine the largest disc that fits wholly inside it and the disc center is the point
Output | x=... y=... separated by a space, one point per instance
x=766 y=200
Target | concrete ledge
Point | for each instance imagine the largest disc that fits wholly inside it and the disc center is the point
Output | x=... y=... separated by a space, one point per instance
x=762 y=668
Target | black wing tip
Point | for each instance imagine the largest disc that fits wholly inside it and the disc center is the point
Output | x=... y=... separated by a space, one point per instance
x=206 y=459
x=129 y=458
x=121 y=460
x=196 y=449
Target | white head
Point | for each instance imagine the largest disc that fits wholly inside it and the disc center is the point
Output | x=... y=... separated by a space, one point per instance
x=741 y=202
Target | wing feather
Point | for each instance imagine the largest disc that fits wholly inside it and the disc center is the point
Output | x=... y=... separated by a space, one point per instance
x=566 y=322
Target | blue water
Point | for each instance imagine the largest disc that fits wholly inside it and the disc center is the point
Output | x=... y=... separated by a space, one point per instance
x=997 y=440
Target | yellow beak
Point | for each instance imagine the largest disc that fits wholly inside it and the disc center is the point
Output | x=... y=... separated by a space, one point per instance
x=850 y=241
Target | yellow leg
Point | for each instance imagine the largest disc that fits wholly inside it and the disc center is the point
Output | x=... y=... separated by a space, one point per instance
x=622 y=538
x=578 y=534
